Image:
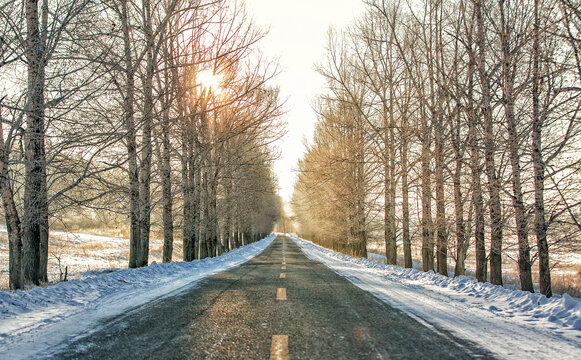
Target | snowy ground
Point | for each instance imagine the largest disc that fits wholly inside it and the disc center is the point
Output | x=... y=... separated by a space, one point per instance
x=510 y=323
x=34 y=322
x=79 y=253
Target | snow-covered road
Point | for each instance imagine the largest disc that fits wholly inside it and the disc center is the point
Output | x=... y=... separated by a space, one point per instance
x=510 y=323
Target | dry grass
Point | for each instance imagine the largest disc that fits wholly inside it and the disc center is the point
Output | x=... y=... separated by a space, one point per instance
x=156 y=250
x=93 y=246
x=104 y=226
x=569 y=283
x=565 y=278
x=120 y=232
x=575 y=268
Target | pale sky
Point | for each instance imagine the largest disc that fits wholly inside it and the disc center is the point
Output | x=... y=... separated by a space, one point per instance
x=297 y=37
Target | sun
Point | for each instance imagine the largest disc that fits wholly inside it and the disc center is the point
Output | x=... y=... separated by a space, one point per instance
x=210 y=81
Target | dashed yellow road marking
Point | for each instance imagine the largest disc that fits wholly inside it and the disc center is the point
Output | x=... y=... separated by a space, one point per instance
x=283 y=267
x=279 y=347
x=283 y=275
x=281 y=294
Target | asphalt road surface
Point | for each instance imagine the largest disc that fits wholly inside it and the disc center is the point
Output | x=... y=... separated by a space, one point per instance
x=279 y=305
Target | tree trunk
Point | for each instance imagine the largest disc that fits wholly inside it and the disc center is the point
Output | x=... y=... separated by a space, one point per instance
x=389 y=202
x=205 y=228
x=197 y=208
x=539 y=167
x=35 y=220
x=236 y=234
x=490 y=148
x=476 y=172
x=461 y=247
x=146 y=151
x=171 y=80
x=438 y=65
x=44 y=233
x=187 y=222
x=166 y=184
x=524 y=262
x=13 y=228
x=407 y=247
x=478 y=203
x=214 y=233
x=392 y=178
x=13 y=225
x=228 y=239
x=461 y=236
x=390 y=244
x=361 y=231
x=427 y=234
x=442 y=244
x=130 y=140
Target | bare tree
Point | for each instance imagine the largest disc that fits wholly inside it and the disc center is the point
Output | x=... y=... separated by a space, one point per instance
x=494 y=185
x=63 y=80
x=510 y=24
x=452 y=81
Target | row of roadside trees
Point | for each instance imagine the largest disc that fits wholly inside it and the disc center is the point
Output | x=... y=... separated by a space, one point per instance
x=453 y=126
x=140 y=107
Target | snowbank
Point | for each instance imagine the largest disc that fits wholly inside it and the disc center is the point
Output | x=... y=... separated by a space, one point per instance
x=33 y=321
x=564 y=310
x=511 y=323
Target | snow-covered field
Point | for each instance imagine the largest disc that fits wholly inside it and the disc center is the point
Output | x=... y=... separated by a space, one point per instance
x=34 y=322
x=79 y=253
x=510 y=323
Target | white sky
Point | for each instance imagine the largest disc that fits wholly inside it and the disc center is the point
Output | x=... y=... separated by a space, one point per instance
x=297 y=37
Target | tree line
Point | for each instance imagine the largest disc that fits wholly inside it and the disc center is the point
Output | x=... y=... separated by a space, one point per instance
x=453 y=125
x=138 y=107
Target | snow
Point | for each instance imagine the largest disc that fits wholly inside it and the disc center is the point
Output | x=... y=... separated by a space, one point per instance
x=510 y=323
x=81 y=252
x=32 y=323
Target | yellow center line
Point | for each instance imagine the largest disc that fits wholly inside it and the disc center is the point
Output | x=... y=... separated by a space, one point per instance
x=283 y=276
x=281 y=294
x=279 y=348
